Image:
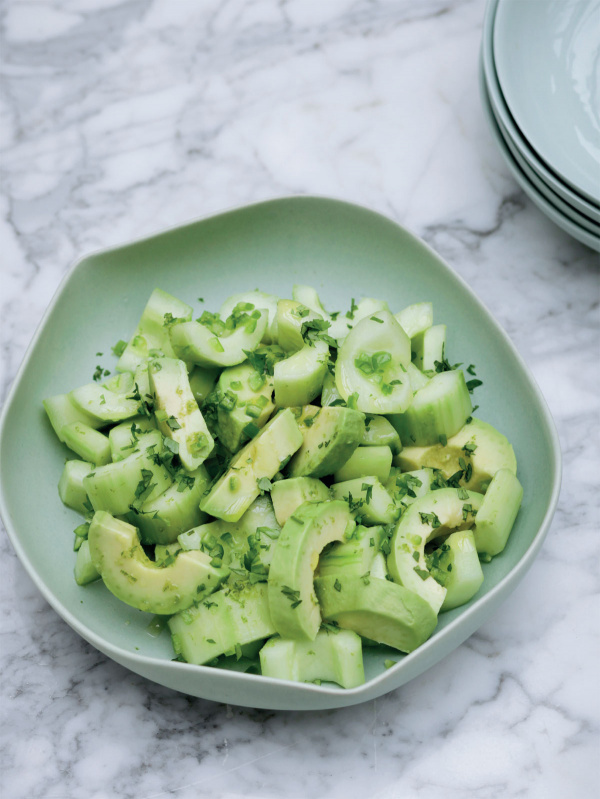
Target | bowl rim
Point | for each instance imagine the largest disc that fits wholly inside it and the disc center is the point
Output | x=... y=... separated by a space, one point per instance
x=118 y=653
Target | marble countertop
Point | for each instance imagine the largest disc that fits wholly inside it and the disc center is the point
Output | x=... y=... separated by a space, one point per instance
x=121 y=118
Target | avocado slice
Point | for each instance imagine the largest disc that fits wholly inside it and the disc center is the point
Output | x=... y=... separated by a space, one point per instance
x=287 y=495
x=434 y=515
x=330 y=436
x=294 y=606
x=377 y=609
x=263 y=456
x=376 y=461
x=477 y=443
x=132 y=577
x=331 y=657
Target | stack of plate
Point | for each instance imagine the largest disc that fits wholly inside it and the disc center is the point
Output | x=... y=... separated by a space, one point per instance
x=540 y=81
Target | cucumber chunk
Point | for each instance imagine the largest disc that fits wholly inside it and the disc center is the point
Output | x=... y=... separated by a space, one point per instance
x=380 y=432
x=121 y=383
x=377 y=609
x=415 y=318
x=132 y=577
x=291 y=316
x=226 y=622
x=91 y=445
x=151 y=336
x=371 y=365
x=288 y=495
x=330 y=394
x=61 y=412
x=177 y=412
x=438 y=411
x=345 y=322
x=331 y=657
x=353 y=557
x=102 y=404
x=330 y=436
x=498 y=511
x=234 y=492
x=130 y=436
x=85 y=571
x=243 y=396
x=428 y=348
x=70 y=485
x=292 y=600
x=258 y=299
x=405 y=487
x=368 y=499
x=375 y=461
x=299 y=378
x=436 y=514
x=197 y=343
x=202 y=381
x=456 y=566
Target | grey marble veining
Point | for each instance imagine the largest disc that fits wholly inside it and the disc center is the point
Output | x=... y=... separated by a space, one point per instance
x=121 y=118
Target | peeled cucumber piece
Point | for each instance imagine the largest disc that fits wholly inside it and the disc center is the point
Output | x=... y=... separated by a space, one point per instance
x=162 y=519
x=480 y=446
x=434 y=515
x=375 y=461
x=136 y=479
x=70 y=485
x=177 y=412
x=259 y=300
x=345 y=322
x=263 y=456
x=102 y=404
x=329 y=437
x=307 y=296
x=85 y=571
x=291 y=316
x=196 y=343
x=288 y=495
x=415 y=318
x=129 y=436
x=428 y=347
x=371 y=366
x=438 y=411
x=62 y=412
x=120 y=383
x=244 y=397
x=405 y=487
x=330 y=394
x=368 y=499
x=91 y=445
x=132 y=577
x=377 y=609
x=222 y=625
x=496 y=516
x=353 y=557
x=456 y=566
x=151 y=336
x=331 y=657
x=380 y=432
x=298 y=379
x=292 y=600
x=202 y=381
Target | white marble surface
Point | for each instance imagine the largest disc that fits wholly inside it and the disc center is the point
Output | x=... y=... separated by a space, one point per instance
x=120 y=118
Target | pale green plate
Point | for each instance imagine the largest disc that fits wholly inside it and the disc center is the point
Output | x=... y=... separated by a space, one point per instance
x=344 y=251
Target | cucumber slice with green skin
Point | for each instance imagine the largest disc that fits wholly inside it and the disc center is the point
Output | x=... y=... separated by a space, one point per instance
x=176 y=510
x=70 y=485
x=259 y=300
x=456 y=566
x=498 y=511
x=196 y=343
x=379 y=432
x=330 y=394
x=129 y=436
x=121 y=383
x=482 y=448
x=299 y=378
x=202 y=381
x=406 y=487
x=91 y=445
x=330 y=436
x=436 y=514
x=292 y=600
x=151 y=337
x=375 y=461
x=307 y=296
x=85 y=571
x=367 y=499
x=177 y=412
x=438 y=411
x=290 y=318
x=377 y=609
x=418 y=380
x=62 y=412
x=132 y=577
x=331 y=657
x=233 y=493
x=288 y=495
x=415 y=319
x=354 y=557
x=134 y=480
x=102 y=404
x=244 y=396
x=371 y=365
x=428 y=347
x=224 y=624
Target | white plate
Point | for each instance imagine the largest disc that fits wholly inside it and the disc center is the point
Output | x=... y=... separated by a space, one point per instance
x=547 y=57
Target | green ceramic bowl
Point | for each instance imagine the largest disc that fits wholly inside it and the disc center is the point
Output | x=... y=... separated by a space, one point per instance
x=344 y=251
